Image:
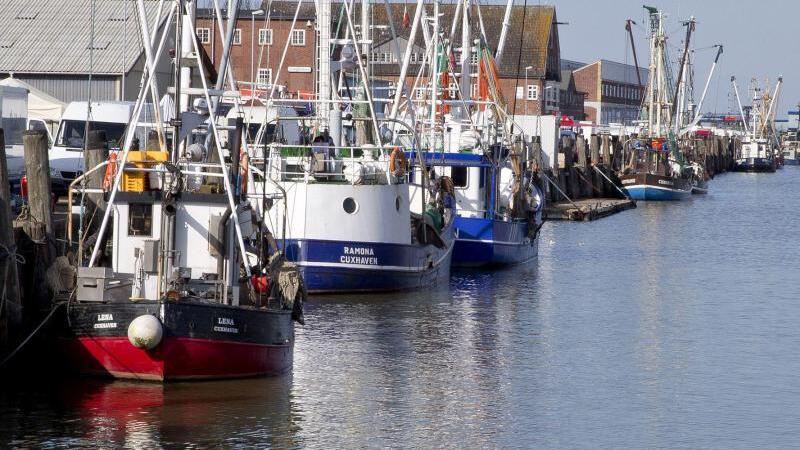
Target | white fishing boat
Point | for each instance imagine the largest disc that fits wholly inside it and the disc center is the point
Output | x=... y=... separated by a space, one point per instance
x=759 y=152
x=340 y=193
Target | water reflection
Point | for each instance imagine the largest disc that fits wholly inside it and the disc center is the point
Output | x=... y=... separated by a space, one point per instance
x=83 y=413
x=670 y=326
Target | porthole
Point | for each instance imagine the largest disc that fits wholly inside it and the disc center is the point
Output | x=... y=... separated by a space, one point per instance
x=397 y=203
x=349 y=205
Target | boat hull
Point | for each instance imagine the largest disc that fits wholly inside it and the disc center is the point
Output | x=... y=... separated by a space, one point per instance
x=755 y=165
x=491 y=243
x=200 y=341
x=337 y=267
x=791 y=162
x=651 y=187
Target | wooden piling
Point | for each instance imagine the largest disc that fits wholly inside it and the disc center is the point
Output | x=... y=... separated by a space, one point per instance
x=96 y=152
x=580 y=145
x=594 y=147
x=37 y=226
x=11 y=313
x=606 y=150
x=37 y=170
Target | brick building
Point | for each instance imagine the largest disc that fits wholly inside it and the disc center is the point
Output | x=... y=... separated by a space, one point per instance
x=613 y=92
x=572 y=100
x=258 y=44
x=532 y=43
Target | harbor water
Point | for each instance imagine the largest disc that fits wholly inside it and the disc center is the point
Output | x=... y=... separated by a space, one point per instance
x=674 y=325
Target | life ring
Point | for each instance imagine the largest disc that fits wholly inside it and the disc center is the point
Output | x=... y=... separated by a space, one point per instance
x=398 y=168
x=111 y=168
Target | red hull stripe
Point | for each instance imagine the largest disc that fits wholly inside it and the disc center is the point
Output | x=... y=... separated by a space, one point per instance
x=176 y=358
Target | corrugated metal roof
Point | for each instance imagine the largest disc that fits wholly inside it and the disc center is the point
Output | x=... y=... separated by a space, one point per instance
x=53 y=36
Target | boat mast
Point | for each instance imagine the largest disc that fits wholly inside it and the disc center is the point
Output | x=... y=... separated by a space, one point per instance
x=466 y=59
x=434 y=80
x=501 y=44
x=652 y=69
x=739 y=102
x=324 y=65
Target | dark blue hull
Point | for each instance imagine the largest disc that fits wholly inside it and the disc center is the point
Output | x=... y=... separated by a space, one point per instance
x=335 y=267
x=487 y=243
x=652 y=187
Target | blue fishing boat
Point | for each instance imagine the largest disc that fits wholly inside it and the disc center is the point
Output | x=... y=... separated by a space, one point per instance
x=497 y=212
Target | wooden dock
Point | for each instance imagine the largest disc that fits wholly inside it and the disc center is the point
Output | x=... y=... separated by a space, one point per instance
x=587 y=209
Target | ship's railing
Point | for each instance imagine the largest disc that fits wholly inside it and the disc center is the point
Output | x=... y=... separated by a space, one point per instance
x=330 y=163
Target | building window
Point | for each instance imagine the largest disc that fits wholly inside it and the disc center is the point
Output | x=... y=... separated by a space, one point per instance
x=237 y=36
x=474 y=59
x=520 y=92
x=373 y=57
x=473 y=90
x=452 y=89
x=533 y=92
x=204 y=34
x=265 y=36
x=419 y=93
x=413 y=57
x=298 y=38
x=386 y=57
x=264 y=77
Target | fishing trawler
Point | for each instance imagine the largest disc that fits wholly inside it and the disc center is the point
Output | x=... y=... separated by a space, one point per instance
x=187 y=289
x=654 y=168
x=466 y=140
x=759 y=152
x=340 y=194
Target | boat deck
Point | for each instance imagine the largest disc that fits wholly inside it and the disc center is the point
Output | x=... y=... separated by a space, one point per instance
x=587 y=209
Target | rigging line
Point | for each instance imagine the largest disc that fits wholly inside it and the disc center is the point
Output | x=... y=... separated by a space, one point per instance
x=91 y=71
x=519 y=63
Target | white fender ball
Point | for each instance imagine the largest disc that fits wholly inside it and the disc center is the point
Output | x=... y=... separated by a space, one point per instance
x=145 y=332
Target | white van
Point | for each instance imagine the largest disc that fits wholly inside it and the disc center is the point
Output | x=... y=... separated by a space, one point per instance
x=66 y=155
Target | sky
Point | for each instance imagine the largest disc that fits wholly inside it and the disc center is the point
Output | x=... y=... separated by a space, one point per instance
x=758 y=35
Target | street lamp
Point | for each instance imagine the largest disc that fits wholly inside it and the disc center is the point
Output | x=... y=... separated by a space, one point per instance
x=526 y=89
x=253 y=15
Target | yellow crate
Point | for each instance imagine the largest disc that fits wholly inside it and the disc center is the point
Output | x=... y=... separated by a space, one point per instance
x=137 y=181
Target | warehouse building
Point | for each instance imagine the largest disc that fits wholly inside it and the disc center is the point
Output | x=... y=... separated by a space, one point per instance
x=48 y=44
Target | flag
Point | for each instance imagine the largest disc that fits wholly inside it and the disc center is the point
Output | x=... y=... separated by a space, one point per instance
x=406 y=18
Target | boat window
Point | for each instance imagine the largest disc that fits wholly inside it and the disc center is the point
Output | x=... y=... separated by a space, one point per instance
x=140 y=219
x=349 y=205
x=397 y=203
x=459 y=176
